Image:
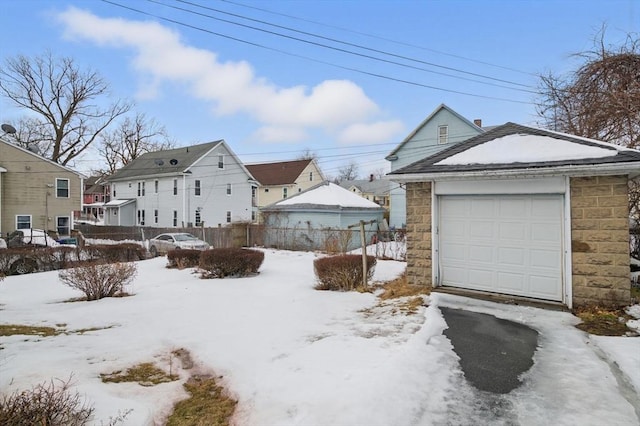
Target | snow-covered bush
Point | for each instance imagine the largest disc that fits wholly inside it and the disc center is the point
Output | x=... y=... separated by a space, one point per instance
x=230 y=262
x=342 y=272
x=97 y=281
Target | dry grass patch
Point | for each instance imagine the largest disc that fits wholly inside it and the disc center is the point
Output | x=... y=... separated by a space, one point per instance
x=145 y=374
x=208 y=405
x=602 y=321
x=400 y=288
x=28 y=330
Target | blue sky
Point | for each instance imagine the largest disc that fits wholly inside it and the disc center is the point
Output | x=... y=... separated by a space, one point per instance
x=273 y=97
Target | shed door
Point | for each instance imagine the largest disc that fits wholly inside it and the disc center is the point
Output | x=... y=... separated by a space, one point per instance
x=509 y=244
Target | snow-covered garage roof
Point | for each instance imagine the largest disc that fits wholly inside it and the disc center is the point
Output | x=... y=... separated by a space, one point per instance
x=513 y=149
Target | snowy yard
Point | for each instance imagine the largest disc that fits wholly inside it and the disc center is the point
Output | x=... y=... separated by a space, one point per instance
x=292 y=355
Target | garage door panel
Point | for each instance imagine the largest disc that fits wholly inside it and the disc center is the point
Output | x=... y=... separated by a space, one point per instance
x=481 y=254
x=546 y=232
x=515 y=207
x=511 y=256
x=509 y=244
x=481 y=229
x=512 y=231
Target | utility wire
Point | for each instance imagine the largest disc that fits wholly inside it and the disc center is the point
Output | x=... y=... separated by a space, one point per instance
x=399 y=80
x=402 y=43
x=527 y=88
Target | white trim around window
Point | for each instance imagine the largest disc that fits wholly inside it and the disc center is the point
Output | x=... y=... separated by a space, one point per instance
x=62 y=188
x=23 y=221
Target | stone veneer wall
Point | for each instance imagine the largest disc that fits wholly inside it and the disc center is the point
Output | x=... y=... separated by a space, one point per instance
x=419 y=233
x=600 y=240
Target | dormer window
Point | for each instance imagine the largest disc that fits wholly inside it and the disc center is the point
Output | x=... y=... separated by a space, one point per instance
x=443 y=134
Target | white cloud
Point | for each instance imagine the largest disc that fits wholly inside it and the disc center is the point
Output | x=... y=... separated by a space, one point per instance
x=380 y=131
x=332 y=106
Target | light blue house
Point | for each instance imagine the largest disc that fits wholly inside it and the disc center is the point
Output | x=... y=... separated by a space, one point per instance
x=441 y=129
x=324 y=217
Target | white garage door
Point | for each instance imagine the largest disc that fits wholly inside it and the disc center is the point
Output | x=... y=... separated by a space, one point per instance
x=508 y=244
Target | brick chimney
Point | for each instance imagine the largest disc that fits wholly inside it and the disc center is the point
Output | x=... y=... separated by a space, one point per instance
x=478 y=122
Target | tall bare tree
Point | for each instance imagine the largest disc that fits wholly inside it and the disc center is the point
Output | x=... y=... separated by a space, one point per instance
x=64 y=100
x=132 y=138
x=600 y=99
x=348 y=172
x=307 y=154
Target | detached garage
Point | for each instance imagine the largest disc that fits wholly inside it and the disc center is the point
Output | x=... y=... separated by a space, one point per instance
x=523 y=212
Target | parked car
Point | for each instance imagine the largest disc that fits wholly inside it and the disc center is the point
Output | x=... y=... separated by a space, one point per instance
x=162 y=243
x=30 y=237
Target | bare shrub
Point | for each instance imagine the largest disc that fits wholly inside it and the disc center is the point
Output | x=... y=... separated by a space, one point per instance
x=230 y=262
x=99 y=280
x=110 y=253
x=49 y=404
x=183 y=258
x=342 y=272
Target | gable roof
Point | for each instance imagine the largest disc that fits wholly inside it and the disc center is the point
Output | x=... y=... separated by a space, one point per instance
x=426 y=121
x=376 y=186
x=513 y=148
x=325 y=195
x=167 y=162
x=40 y=157
x=278 y=173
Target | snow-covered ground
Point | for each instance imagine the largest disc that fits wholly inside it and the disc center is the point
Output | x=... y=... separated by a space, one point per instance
x=292 y=355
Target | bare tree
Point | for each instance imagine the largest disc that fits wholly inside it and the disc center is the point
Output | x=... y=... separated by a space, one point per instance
x=599 y=100
x=307 y=154
x=132 y=138
x=63 y=98
x=348 y=172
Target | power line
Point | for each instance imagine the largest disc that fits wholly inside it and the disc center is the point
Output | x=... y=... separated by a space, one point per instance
x=347 y=44
x=402 y=43
x=399 y=80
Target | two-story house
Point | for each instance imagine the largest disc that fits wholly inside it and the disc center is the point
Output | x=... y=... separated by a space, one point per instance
x=36 y=192
x=188 y=186
x=441 y=129
x=282 y=179
x=96 y=194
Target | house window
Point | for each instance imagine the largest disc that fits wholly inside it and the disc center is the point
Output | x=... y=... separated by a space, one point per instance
x=254 y=192
x=228 y=217
x=114 y=190
x=143 y=191
x=155 y=187
x=266 y=190
x=129 y=184
x=228 y=189
x=221 y=161
x=96 y=198
x=62 y=188
x=310 y=176
x=175 y=187
x=443 y=134
x=141 y=217
x=284 y=193
x=23 y=221
x=253 y=216
x=62 y=225
x=155 y=216
x=197 y=188
x=198 y=217
x=175 y=218
x=139 y=188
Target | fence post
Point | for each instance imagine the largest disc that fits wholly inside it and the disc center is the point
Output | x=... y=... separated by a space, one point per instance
x=363 y=241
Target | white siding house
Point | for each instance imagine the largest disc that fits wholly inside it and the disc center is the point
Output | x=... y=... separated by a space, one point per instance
x=190 y=186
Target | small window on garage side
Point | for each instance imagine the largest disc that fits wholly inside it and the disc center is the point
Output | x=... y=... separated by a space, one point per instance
x=197 y=189
x=62 y=225
x=228 y=217
x=23 y=221
x=443 y=134
x=62 y=188
x=155 y=216
x=175 y=218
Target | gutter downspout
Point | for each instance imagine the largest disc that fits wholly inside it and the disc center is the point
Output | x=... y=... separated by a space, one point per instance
x=184 y=198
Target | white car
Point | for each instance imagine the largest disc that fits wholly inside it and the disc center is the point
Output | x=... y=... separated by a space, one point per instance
x=162 y=243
